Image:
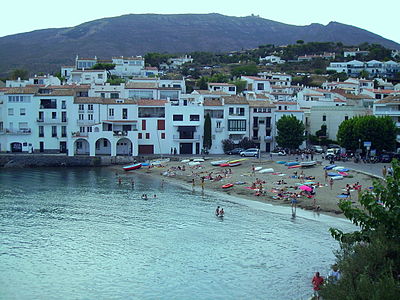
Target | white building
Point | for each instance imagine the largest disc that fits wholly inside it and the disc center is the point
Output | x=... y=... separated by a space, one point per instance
x=222 y=87
x=127 y=66
x=272 y=59
x=34 y=81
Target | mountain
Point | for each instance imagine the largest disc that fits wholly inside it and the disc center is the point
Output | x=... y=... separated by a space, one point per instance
x=136 y=34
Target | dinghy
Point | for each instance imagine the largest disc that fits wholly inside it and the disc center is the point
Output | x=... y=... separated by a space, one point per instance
x=132 y=167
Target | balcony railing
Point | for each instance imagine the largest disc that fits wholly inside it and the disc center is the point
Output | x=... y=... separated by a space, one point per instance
x=268 y=138
x=22 y=131
x=194 y=138
x=220 y=129
x=51 y=121
x=79 y=134
x=120 y=133
x=85 y=122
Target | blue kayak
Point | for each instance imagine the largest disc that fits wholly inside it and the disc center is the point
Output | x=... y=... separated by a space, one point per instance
x=329 y=167
x=291 y=163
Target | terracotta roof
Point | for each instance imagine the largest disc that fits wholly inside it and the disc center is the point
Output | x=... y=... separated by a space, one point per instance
x=99 y=100
x=58 y=93
x=143 y=102
x=141 y=85
x=377 y=91
x=339 y=100
x=207 y=92
x=285 y=102
x=212 y=102
x=261 y=103
x=389 y=99
x=22 y=90
x=255 y=78
x=87 y=70
x=129 y=58
x=221 y=83
x=235 y=100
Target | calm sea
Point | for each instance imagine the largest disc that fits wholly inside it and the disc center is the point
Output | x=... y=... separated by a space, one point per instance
x=78 y=234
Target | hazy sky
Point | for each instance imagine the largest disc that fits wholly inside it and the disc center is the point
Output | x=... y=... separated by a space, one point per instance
x=380 y=17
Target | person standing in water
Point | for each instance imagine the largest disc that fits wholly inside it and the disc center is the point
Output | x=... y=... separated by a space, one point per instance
x=317 y=281
x=217 y=211
x=221 y=212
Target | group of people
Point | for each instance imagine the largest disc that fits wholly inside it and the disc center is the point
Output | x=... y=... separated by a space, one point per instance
x=219 y=212
x=317 y=281
x=145 y=197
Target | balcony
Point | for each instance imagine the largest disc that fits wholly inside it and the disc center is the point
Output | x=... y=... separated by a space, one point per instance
x=268 y=138
x=179 y=138
x=220 y=129
x=85 y=122
x=79 y=134
x=120 y=133
x=22 y=131
x=51 y=121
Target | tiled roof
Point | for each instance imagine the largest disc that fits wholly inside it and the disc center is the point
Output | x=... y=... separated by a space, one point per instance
x=390 y=99
x=377 y=91
x=143 y=102
x=99 y=100
x=22 y=90
x=235 y=100
x=255 y=78
x=261 y=103
x=207 y=92
x=141 y=85
x=212 y=102
x=221 y=84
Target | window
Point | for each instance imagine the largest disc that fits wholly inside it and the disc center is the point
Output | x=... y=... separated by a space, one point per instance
x=11 y=111
x=160 y=124
x=237 y=125
x=323 y=118
x=54 y=131
x=82 y=129
x=105 y=143
x=54 y=115
x=111 y=112
x=240 y=111
x=163 y=135
x=102 y=95
x=147 y=135
x=41 y=131
x=63 y=131
x=219 y=124
x=89 y=129
x=139 y=135
x=22 y=112
x=81 y=116
x=255 y=110
x=90 y=107
x=231 y=88
x=81 y=107
x=90 y=116
x=346 y=118
x=260 y=86
x=1 y=126
x=114 y=95
x=231 y=111
x=143 y=124
x=185 y=102
x=194 y=117
x=125 y=113
x=63 y=104
x=177 y=117
x=100 y=76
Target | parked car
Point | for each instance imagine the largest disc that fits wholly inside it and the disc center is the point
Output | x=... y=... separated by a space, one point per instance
x=317 y=149
x=386 y=157
x=235 y=151
x=250 y=152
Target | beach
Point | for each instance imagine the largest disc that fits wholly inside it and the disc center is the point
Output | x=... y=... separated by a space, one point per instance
x=278 y=187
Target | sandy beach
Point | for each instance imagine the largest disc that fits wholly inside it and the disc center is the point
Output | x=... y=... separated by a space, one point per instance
x=278 y=187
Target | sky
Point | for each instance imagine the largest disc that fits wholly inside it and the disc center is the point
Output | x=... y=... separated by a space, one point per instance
x=380 y=17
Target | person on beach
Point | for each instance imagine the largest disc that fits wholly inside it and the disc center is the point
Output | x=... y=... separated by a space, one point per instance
x=253 y=170
x=384 y=171
x=162 y=183
x=326 y=175
x=193 y=183
x=334 y=274
x=221 y=212
x=317 y=281
x=293 y=201
x=119 y=180
x=331 y=182
x=202 y=183
x=217 y=211
x=133 y=183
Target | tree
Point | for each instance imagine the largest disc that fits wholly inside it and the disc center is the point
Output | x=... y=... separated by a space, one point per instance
x=369 y=259
x=202 y=83
x=290 y=132
x=104 y=66
x=19 y=73
x=249 y=70
x=380 y=131
x=207 y=141
x=240 y=85
x=246 y=143
x=228 y=145
x=364 y=74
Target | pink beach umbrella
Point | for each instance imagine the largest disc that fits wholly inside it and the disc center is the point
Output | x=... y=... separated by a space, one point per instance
x=305 y=188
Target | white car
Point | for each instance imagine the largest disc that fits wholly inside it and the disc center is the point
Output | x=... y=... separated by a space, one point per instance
x=250 y=152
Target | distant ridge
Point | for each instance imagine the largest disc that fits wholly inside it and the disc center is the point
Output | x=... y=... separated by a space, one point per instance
x=136 y=34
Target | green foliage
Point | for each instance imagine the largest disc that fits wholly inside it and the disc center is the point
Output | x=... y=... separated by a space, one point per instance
x=115 y=80
x=19 y=73
x=228 y=145
x=154 y=59
x=290 y=132
x=207 y=140
x=335 y=76
x=240 y=85
x=380 y=131
x=103 y=66
x=323 y=141
x=369 y=259
x=322 y=131
x=364 y=74
x=246 y=143
x=249 y=70
x=202 y=83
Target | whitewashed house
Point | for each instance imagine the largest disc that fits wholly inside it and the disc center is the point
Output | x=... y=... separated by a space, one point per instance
x=222 y=87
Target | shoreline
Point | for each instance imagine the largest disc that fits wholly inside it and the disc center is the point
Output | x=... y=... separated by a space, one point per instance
x=325 y=202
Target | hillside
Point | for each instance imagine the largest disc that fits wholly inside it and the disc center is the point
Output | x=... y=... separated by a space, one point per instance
x=46 y=50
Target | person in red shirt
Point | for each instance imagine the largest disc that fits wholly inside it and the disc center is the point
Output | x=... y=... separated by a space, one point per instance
x=317 y=281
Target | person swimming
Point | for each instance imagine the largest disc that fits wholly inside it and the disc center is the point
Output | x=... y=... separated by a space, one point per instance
x=217 y=211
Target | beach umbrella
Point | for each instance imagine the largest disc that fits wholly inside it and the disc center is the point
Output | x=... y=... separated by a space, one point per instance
x=305 y=188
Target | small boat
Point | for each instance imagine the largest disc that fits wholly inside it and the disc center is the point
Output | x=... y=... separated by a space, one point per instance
x=332 y=174
x=281 y=162
x=235 y=164
x=344 y=170
x=294 y=166
x=132 y=167
x=237 y=160
x=224 y=165
x=228 y=185
x=343 y=173
x=145 y=164
x=257 y=168
x=305 y=164
x=185 y=161
x=337 y=177
x=292 y=163
x=218 y=162
x=198 y=159
x=329 y=167
x=268 y=170
x=337 y=168
x=193 y=163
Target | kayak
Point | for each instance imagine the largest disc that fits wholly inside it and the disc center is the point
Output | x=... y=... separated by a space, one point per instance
x=132 y=167
x=338 y=177
x=237 y=160
x=268 y=170
x=295 y=166
x=235 y=164
x=292 y=163
x=228 y=185
x=218 y=162
x=305 y=164
x=281 y=162
x=185 y=160
x=198 y=159
x=329 y=167
x=257 y=168
x=343 y=173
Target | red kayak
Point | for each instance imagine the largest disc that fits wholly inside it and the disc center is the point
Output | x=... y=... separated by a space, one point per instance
x=295 y=166
x=224 y=165
x=228 y=185
x=132 y=167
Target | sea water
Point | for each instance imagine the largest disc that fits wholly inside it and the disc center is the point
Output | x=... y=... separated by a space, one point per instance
x=79 y=234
